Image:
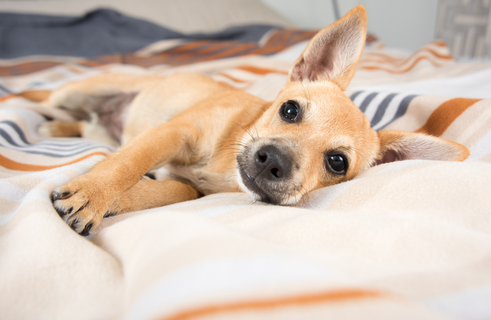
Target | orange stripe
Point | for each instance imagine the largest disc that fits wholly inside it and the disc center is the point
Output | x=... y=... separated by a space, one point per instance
x=280 y=38
x=91 y=63
x=4 y=98
x=273 y=35
x=191 y=53
x=27 y=67
x=211 y=47
x=386 y=56
x=378 y=57
x=443 y=116
x=413 y=64
x=188 y=49
x=13 y=165
x=440 y=43
x=226 y=53
x=231 y=78
x=192 y=45
x=295 y=36
x=179 y=54
x=171 y=57
x=382 y=57
x=261 y=71
x=35 y=95
x=399 y=62
x=73 y=69
x=331 y=296
x=435 y=53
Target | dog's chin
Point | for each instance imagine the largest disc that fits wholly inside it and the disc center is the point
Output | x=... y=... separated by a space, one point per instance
x=250 y=186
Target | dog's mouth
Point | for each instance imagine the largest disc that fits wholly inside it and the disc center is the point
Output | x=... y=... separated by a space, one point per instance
x=252 y=186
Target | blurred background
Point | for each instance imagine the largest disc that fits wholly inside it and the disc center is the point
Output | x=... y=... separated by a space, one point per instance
x=402 y=24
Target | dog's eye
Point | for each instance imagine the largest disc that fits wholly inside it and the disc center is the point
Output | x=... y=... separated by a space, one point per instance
x=290 y=111
x=337 y=163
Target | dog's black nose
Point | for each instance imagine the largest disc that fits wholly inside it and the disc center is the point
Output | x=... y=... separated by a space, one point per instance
x=272 y=164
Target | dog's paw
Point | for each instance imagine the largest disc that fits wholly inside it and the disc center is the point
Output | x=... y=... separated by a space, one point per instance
x=48 y=129
x=60 y=129
x=80 y=204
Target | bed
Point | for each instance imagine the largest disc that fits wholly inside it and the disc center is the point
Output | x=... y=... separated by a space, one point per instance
x=405 y=240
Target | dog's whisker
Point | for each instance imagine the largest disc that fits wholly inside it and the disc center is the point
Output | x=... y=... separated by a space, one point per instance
x=252 y=121
x=248 y=132
x=230 y=155
x=230 y=150
x=239 y=144
x=234 y=146
x=234 y=149
x=230 y=147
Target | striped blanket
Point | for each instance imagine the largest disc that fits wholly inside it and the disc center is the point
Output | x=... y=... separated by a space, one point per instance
x=406 y=240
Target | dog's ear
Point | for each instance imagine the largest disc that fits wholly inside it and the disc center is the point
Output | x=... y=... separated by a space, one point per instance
x=334 y=51
x=398 y=145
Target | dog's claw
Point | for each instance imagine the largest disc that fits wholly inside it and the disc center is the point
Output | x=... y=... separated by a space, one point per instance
x=60 y=195
x=74 y=203
x=60 y=212
x=74 y=223
x=109 y=214
x=86 y=230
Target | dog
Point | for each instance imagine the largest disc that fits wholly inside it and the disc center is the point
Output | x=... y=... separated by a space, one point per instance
x=214 y=138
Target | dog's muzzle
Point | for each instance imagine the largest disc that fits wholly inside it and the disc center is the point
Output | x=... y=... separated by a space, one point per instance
x=266 y=173
x=271 y=164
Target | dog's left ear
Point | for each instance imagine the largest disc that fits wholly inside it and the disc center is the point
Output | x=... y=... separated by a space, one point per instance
x=398 y=145
x=334 y=51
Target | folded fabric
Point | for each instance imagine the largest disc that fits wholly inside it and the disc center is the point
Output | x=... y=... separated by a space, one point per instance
x=100 y=32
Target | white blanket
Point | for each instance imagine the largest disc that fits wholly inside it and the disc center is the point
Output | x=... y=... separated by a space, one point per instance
x=407 y=240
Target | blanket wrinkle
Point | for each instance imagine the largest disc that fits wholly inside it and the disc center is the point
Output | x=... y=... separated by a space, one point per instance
x=97 y=33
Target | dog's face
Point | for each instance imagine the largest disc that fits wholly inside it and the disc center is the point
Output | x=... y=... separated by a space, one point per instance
x=313 y=136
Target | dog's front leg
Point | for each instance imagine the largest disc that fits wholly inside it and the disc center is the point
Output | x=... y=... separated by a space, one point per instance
x=85 y=200
x=148 y=193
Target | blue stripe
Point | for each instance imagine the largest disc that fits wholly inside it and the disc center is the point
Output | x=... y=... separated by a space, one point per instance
x=381 y=109
x=54 y=155
x=4 y=91
x=44 y=143
x=365 y=103
x=17 y=129
x=47 y=150
x=401 y=110
x=354 y=95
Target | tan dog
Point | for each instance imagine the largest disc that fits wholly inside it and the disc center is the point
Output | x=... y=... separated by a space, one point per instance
x=214 y=138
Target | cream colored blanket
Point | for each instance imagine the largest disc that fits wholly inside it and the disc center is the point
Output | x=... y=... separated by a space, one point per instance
x=407 y=240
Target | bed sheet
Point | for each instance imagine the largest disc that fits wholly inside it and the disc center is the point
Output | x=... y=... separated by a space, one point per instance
x=406 y=240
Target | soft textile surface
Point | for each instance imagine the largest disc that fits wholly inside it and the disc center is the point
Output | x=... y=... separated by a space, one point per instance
x=189 y=16
x=407 y=240
x=101 y=32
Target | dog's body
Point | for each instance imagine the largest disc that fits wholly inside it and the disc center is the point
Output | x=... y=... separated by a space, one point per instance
x=215 y=138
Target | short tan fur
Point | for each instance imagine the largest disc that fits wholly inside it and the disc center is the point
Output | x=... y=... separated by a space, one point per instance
x=214 y=138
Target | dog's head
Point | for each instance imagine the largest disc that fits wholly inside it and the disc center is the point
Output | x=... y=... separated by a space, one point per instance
x=313 y=136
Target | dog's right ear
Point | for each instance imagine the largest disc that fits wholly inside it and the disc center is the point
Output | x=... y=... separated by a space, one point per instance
x=398 y=145
x=334 y=51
